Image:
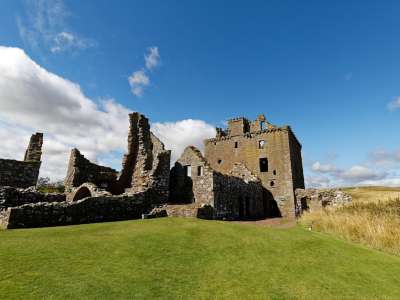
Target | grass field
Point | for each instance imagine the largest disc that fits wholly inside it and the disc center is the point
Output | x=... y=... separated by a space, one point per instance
x=174 y=258
x=373 y=193
x=372 y=219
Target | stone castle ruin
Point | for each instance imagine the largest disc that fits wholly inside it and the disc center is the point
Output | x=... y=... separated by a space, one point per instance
x=23 y=174
x=249 y=171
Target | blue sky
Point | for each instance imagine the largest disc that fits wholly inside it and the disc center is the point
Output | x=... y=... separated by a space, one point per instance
x=328 y=69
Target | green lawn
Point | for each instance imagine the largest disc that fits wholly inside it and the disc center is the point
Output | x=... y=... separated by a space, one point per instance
x=173 y=258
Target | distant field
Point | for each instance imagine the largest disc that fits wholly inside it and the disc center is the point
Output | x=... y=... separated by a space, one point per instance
x=372 y=219
x=175 y=258
x=374 y=193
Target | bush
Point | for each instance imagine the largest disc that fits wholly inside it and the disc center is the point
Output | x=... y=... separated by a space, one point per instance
x=44 y=185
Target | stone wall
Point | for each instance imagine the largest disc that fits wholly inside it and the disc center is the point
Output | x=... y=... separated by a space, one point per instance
x=316 y=199
x=248 y=142
x=23 y=174
x=146 y=165
x=11 y=197
x=196 y=186
x=81 y=170
x=34 y=150
x=237 y=195
x=87 y=210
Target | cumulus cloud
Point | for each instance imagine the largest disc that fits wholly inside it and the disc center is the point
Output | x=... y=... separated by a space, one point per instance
x=44 y=24
x=177 y=135
x=34 y=99
x=152 y=58
x=395 y=104
x=323 y=168
x=138 y=80
x=325 y=175
x=384 y=158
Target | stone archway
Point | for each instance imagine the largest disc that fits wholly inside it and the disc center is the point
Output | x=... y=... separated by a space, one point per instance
x=81 y=192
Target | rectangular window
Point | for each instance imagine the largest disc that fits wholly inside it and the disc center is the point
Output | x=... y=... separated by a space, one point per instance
x=188 y=170
x=236 y=144
x=261 y=144
x=263 y=165
x=199 y=171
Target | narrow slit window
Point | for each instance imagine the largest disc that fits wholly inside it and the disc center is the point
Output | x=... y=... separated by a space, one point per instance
x=199 y=171
x=236 y=144
x=188 y=171
x=263 y=165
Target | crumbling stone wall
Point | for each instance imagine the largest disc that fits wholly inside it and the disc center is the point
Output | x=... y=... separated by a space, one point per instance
x=237 y=195
x=316 y=199
x=146 y=165
x=87 y=210
x=81 y=170
x=23 y=174
x=256 y=143
x=11 y=197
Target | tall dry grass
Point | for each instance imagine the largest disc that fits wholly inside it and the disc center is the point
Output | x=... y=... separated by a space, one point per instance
x=374 y=224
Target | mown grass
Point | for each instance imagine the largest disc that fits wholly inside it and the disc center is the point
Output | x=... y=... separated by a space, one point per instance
x=174 y=258
x=373 y=219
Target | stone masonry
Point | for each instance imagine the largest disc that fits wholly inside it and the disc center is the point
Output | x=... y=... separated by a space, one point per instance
x=237 y=195
x=271 y=153
x=23 y=174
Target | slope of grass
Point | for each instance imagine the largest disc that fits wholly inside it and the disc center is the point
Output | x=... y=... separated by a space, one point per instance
x=373 y=223
x=174 y=258
x=372 y=193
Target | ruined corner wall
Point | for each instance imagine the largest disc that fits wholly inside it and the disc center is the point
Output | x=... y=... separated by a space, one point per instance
x=81 y=170
x=146 y=165
x=23 y=174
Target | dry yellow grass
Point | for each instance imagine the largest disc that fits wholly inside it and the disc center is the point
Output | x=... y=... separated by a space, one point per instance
x=373 y=193
x=373 y=219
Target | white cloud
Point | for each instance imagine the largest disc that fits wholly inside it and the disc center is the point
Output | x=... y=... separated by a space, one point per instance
x=44 y=24
x=178 y=135
x=361 y=173
x=395 y=104
x=34 y=99
x=323 y=168
x=152 y=58
x=138 y=80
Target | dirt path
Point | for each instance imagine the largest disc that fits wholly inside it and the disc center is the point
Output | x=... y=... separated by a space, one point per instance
x=274 y=222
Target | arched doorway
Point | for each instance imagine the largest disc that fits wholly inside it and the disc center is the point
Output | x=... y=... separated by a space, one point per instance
x=81 y=193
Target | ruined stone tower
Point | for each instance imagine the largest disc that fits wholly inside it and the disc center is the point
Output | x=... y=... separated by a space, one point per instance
x=34 y=150
x=272 y=153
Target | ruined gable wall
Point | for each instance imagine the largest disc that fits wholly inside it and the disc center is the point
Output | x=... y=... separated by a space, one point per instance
x=222 y=154
x=81 y=170
x=25 y=173
x=195 y=188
